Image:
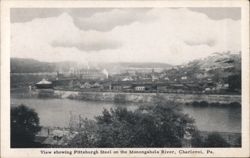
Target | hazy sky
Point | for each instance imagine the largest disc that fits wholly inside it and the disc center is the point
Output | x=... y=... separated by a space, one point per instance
x=169 y=35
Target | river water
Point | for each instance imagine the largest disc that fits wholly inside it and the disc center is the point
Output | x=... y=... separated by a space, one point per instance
x=58 y=112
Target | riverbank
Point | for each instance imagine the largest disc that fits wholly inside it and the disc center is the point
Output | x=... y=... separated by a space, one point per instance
x=147 y=97
x=122 y=97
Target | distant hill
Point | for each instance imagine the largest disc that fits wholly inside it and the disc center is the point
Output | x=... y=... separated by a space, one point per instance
x=25 y=65
x=21 y=65
x=146 y=65
x=225 y=63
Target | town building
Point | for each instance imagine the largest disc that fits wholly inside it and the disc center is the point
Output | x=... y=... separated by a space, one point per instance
x=93 y=74
x=44 y=84
x=140 y=88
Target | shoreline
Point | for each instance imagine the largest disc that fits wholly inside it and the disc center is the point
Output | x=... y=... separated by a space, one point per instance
x=147 y=97
x=123 y=97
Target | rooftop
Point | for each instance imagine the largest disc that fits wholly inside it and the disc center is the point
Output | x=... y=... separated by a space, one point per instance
x=44 y=81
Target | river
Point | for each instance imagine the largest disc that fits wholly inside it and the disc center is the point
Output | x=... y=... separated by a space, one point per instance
x=58 y=112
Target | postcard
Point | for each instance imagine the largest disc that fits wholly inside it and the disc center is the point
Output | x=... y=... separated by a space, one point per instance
x=124 y=78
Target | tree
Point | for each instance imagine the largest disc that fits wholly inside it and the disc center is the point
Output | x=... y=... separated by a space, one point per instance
x=215 y=140
x=238 y=142
x=24 y=126
x=86 y=136
x=197 y=140
x=234 y=82
x=161 y=125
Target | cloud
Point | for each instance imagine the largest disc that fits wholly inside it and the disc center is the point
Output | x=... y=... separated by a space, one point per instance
x=218 y=13
x=89 y=46
x=27 y=14
x=209 y=42
x=153 y=35
x=19 y=15
x=57 y=38
x=105 y=21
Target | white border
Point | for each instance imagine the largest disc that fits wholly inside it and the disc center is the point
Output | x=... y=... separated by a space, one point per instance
x=5 y=73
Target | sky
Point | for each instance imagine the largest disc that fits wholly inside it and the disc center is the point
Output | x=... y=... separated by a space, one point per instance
x=166 y=35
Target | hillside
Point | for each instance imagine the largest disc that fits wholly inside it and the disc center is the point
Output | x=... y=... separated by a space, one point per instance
x=222 y=64
x=217 y=68
x=20 y=65
x=225 y=61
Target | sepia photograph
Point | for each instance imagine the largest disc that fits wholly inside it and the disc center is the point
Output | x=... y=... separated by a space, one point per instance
x=126 y=77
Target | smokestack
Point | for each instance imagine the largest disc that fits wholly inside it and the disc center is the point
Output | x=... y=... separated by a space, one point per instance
x=104 y=71
x=88 y=65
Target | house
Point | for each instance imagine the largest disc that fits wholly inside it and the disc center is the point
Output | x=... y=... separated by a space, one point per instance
x=207 y=89
x=122 y=86
x=78 y=84
x=106 y=85
x=96 y=85
x=176 y=88
x=140 y=88
x=71 y=84
x=162 y=87
x=86 y=85
x=117 y=87
x=55 y=137
x=226 y=86
x=184 y=78
x=144 y=86
x=201 y=75
x=166 y=78
x=63 y=82
x=129 y=78
x=154 y=77
x=192 y=87
x=145 y=78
